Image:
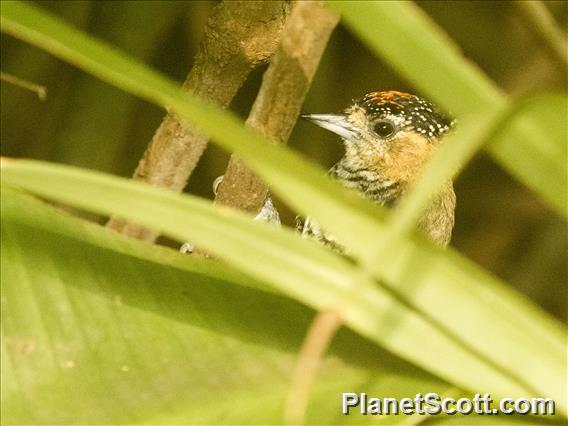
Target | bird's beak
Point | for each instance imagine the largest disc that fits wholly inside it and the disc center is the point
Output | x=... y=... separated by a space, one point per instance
x=335 y=123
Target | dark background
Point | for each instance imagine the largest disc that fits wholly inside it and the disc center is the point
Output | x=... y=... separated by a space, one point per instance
x=499 y=223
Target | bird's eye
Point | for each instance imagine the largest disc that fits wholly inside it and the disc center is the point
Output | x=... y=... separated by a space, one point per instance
x=383 y=128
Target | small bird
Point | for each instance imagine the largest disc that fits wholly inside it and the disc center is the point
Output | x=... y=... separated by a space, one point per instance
x=388 y=137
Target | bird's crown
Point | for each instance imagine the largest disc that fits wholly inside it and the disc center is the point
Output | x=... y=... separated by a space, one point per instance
x=413 y=112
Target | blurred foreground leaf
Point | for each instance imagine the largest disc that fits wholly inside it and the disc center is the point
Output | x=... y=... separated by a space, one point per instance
x=100 y=329
x=309 y=273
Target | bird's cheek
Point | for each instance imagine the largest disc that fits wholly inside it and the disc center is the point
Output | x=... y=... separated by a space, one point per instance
x=407 y=159
x=380 y=148
x=370 y=151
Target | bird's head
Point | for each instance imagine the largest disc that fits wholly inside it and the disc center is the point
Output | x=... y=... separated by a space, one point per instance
x=390 y=133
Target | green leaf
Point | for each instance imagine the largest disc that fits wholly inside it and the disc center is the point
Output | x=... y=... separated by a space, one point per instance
x=100 y=329
x=422 y=53
x=311 y=274
x=543 y=120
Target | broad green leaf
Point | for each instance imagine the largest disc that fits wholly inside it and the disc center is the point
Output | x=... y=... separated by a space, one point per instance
x=306 y=271
x=99 y=329
x=473 y=294
x=402 y=34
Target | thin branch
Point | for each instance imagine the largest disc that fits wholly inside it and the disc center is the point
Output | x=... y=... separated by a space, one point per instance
x=240 y=35
x=321 y=332
x=274 y=114
x=277 y=106
x=39 y=90
x=542 y=24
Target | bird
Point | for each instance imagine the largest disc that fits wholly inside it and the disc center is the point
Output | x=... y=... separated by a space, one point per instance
x=388 y=137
